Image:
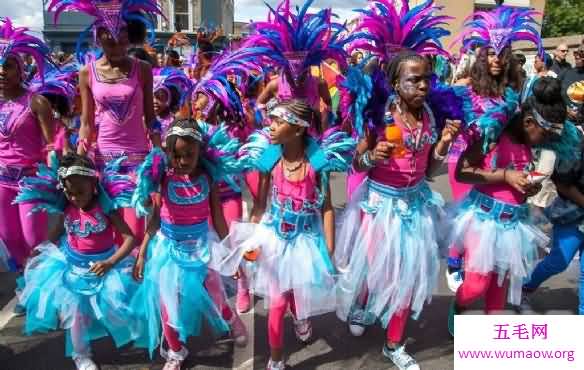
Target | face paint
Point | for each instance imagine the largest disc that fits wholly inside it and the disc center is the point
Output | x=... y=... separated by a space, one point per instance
x=414 y=82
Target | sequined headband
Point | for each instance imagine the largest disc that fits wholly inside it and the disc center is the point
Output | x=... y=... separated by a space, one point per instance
x=556 y=128
x=182 y=132
x=65 y=172
x=291 y=118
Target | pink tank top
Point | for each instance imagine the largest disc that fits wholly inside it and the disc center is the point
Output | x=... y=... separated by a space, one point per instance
x=296 y=191
x=119 y=112
x=165 y=122
x=185 y=201
x=21 y=137
x=506 y=155
x=88 y=232
x=411 y=169
x=309 y=91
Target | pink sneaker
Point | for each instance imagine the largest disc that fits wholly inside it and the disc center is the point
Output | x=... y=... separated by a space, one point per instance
x=238 y=331
x=243 y=301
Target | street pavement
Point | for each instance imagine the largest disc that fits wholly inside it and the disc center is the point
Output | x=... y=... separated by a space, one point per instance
x=332 y=346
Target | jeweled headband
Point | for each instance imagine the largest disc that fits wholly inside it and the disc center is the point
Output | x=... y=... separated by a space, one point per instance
x=289 y=117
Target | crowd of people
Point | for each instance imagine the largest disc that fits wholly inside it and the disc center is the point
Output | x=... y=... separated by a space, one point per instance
x=137 y=162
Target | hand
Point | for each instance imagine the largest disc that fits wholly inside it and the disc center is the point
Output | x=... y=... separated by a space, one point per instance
x=138 y=270
x=382 y=151
x=102 y=267
x=450 y=131
x=518 y=180
x=533 y=189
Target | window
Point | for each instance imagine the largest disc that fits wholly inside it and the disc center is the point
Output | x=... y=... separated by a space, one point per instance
x=181 y=14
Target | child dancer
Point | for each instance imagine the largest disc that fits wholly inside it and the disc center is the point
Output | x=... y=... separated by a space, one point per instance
x=79 y=279
x=179 y=243
x=291 y=236
x=25 y=131
x=492 y=223
x=171 y=90
x=388 y=245
x=494 y=79
x=116 y=90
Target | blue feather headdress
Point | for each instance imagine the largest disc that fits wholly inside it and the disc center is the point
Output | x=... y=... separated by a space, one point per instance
x=499 y=28
x=60 y=82
x=297 y=41
x=165 y=78
x=385 y=31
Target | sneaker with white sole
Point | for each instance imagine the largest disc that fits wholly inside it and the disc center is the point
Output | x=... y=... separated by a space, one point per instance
x=454 y=280
x=357 y=323
x=525 y=305
x=238 y=331
x=174 y=360
x=275 y=365
x=400 y=358
x=303 y=330
x=84 y=363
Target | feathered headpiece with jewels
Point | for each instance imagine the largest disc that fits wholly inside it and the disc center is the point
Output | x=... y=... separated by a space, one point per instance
x=385 y=31
x=110 y=14
x=165 y=78
x=58 y=82
x=17 y=40
x=499 y=28
x=297 y=41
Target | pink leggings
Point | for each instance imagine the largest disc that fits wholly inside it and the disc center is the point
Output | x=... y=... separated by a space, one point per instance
x=459 y=191
x=477 y=285
x=19 y=231
x=233 y=211
x=397 y=324
x=252 y=180
x=276 y=314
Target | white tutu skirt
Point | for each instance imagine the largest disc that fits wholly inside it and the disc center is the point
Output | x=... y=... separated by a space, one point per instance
x=299 y=265
x=60 y=292
x=174 y=278
x=497 y=237
x=387 y=250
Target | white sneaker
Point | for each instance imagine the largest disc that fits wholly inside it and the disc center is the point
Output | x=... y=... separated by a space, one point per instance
x=303 y=330
x=174 y=360
x=84 y=363
x=454 y=280
x=357 y=324
x=400 y=358
x=525 y=305
x=276 y=365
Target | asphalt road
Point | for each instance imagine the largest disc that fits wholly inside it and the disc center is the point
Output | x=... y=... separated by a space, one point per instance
x=332 y=346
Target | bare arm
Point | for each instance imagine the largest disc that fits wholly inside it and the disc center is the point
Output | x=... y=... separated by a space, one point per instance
x=151 y=229
x=260 y=205
x=217 y=216
x=102 y=267
x=325 y=95
x=328 y=220
x=57 y=230
x=268 y=93
x=448 y=135
x=365 y=144
x=149 y=116
x=41 y=108
x=87 y=127
x=470 y=171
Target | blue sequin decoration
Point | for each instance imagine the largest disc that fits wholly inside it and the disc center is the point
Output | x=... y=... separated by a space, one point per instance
x=173 y=186
x=74 y=227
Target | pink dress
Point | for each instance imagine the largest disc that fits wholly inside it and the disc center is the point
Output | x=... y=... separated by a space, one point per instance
x=88 y=232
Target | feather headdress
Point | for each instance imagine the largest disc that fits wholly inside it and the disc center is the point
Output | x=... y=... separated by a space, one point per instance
x=60 y=82
x=296 y=41
x=499 y=28
x=165 y=78
x=18 y=40
x=385 y=31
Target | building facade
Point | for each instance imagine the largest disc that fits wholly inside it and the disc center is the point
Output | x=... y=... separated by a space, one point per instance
x=187 y=16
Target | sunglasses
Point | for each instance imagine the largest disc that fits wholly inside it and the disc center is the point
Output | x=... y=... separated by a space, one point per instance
x=579 y=53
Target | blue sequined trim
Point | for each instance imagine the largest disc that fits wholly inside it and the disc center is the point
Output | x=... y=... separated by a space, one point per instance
x=490 y=208
x=173 y=186
x=408 y=201
x=74 y=227
x=289 y=223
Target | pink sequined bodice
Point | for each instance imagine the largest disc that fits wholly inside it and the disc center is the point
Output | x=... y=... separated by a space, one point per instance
x=185 y=201
x=296 y=191
x=88 y=232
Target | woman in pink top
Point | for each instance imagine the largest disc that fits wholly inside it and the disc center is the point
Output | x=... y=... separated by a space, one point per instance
x=25 y=130
x=117 y=111
x=79 y=280
x=492 y=224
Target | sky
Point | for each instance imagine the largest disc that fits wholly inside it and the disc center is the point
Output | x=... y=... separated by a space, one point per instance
x=29 y=12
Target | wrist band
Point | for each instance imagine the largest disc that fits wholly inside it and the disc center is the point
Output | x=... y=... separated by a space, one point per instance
x=366 y=160
x=437 y=156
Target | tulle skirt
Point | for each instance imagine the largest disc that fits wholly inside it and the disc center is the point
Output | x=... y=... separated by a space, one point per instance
x=60 y=292
x=497 y=237
x=387 y=250
x=287 y=262
x=174 y=279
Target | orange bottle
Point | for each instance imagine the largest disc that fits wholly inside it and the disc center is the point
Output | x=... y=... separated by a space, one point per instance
x=252 y=255
x=393 y=135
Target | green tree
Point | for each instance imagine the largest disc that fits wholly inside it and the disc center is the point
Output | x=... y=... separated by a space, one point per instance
x=563 y=18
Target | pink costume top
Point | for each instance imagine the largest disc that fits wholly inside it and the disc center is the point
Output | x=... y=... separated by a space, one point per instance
x=165 y=122
x=21 y=140
x=88 y=232
x=511 y=156
x=298 y=192
x=480 y=105
x=119 y=113
x=184 y=201
x=411 y=169
x=60 y=136
x=309 y=91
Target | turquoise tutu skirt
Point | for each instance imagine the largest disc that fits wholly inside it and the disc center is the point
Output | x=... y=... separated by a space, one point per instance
x=497 y=237
x=292 y=258
x=174 y=279
x=60 y=292
x=387 y=248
